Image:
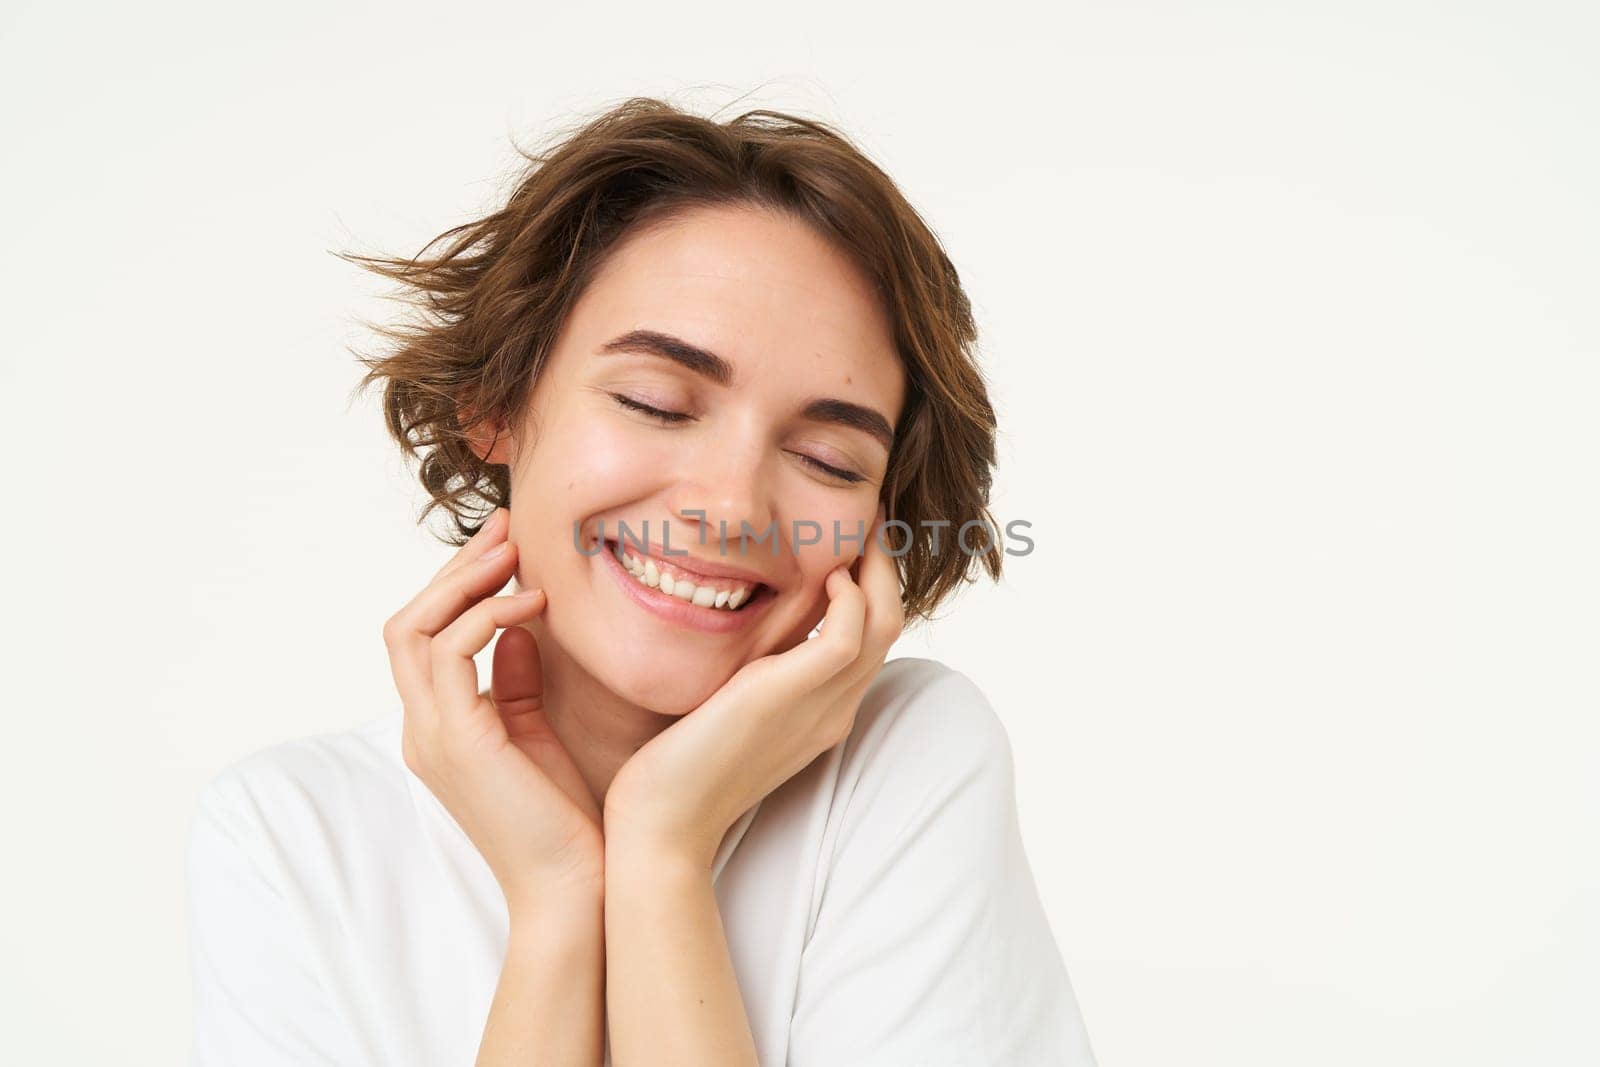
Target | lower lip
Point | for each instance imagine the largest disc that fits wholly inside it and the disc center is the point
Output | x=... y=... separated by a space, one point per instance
x=681 y=612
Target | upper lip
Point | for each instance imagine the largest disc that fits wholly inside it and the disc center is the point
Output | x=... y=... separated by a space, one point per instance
x=689 y=562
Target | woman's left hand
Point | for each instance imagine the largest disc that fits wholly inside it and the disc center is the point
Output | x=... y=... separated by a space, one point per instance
x=681 y=791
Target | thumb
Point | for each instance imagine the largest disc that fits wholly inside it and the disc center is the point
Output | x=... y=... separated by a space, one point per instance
x=516 y=682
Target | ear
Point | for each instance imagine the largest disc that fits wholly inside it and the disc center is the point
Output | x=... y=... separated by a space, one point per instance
x=488 y=438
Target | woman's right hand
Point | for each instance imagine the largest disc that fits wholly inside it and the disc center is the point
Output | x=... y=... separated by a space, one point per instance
x=492 y=759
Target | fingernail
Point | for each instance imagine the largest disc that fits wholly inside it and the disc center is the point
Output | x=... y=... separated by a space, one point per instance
x=526 y=592
x=497 y=551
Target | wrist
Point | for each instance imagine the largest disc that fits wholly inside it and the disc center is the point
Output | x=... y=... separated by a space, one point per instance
x=565 y=886
x=569 y=914
x=639 y=833
x=649 y=859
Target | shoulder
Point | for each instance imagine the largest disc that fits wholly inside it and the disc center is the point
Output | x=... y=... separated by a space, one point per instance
x=926 y=747
x=928 y=942
x=275 y=862
x=306 y=791
x=323 y=769
x=923 y=712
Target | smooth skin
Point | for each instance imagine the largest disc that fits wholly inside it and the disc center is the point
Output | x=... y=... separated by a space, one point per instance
x=612 y=913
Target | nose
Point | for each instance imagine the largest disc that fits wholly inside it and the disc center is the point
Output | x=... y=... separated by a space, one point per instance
x=723 y=483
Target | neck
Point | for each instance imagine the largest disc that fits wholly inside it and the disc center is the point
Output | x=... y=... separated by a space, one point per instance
x=600 y=730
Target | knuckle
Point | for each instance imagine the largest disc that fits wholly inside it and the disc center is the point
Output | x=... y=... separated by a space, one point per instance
x=457 y=633
x=846 y=648
x=447 y=644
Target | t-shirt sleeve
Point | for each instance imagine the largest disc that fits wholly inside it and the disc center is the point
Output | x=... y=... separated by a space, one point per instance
x=931 y=946
x=258 y=999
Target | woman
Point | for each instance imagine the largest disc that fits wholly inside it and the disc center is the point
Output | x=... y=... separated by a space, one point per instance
x=693 y=369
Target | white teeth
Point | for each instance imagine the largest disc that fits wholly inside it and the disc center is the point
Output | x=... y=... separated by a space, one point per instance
x=648 y=574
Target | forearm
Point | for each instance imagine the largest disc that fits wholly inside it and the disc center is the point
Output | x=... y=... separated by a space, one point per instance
x=672 y=998
x=549 y=1004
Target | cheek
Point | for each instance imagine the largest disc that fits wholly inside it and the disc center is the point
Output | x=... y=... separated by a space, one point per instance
x=585 y=463
x=829 y=514
x=815 y=561
x=580 y=466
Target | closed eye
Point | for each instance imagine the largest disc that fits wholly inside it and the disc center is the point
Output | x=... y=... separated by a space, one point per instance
x=828 y=469
x=656 y=413
x=679 y=417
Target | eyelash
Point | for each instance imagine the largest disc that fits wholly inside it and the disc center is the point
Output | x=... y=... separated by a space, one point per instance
x=675 y=417
x=664 y=416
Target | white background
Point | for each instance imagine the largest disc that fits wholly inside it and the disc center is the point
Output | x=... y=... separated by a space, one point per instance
x=1290 y=314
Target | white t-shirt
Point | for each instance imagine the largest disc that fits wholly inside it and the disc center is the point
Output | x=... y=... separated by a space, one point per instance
x=878 y=906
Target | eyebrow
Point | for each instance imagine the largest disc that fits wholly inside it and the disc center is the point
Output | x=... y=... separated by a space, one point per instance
x=714 y=367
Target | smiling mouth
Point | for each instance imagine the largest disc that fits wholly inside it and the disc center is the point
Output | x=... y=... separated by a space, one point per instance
x=721 y=595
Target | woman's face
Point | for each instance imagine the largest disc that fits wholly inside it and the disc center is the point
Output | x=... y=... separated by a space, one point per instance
x=785 y=383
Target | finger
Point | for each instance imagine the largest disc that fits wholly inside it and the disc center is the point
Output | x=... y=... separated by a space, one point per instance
x=410 y=631
x=854 y=566
x=880 y=583
x=456 y=698
x=516 y=678
x=517 y=690
x=814 y=661
x=493 y=531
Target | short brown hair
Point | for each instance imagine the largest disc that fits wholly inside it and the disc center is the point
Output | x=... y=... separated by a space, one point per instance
x=493 y=298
